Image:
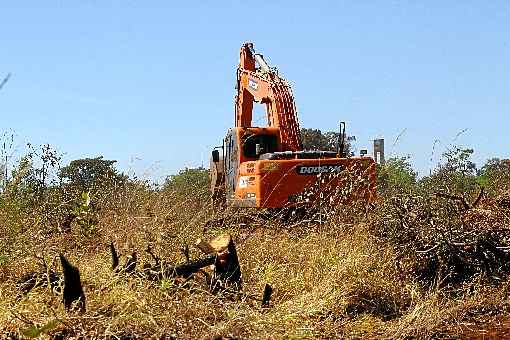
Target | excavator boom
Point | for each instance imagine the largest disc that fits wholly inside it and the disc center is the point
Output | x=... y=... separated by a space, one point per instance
x=264 y=85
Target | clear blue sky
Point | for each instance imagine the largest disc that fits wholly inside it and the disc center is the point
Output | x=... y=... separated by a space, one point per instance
x=151 y=84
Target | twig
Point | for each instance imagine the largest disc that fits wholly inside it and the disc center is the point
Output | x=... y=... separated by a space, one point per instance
x=5 y=80
x=428 y=250
x=458 y=134
x=398 y=137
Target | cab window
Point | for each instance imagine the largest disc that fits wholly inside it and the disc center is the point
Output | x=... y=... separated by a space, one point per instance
x=267 y=144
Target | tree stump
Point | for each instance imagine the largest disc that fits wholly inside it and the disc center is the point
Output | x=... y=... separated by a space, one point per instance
x=226 y=265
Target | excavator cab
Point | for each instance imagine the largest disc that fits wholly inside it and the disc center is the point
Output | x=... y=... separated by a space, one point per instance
x=256 y=143
x=243 y=145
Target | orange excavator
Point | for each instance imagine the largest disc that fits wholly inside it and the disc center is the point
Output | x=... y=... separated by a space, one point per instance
x=266 y=167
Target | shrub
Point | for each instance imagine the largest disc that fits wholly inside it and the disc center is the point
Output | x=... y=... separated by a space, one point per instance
x=396 y=175
x=495 y=175
x=189 y=181
x=96 y=175
x=314 y=139
x=456 y=174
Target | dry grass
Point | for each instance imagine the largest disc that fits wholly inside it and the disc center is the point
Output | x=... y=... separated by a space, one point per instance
x=330 y=280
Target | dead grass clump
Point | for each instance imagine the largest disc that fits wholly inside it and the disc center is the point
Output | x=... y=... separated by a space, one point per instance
x=325 y=277
x=482 y=312
x=373 y=303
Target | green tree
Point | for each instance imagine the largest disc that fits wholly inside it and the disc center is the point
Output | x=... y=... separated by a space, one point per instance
x=396 y=175
x=495 y=175
x=314 y=139
x=189 y=181
x=27 y=192
x=457 y=173
x=91 y=174
x=458 y=161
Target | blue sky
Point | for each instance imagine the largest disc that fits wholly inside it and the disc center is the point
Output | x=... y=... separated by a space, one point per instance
x=151 y=84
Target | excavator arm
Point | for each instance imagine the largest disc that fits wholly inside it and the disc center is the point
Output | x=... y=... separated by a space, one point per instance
x=263 y=85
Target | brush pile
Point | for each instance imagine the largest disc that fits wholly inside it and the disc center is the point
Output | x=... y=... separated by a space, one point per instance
x=442 y=240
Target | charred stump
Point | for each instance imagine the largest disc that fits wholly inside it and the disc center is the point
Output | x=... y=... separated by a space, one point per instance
x=73 y=290
x=266 y=296
x=115 y=256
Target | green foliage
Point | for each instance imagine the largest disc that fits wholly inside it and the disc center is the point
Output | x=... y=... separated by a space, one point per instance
x=3 y=260
x=19 y=196
x=34 y=172
x=458 y=160
x=39 y=194
x=166 y=284
x=189 y=181
x=25 y=190
x=314 y=139
x=96 y=177
x=396 y=175
x=91 y=174
x=495 y=175
x=86 y=215
x=457 y=173
x=34 y=331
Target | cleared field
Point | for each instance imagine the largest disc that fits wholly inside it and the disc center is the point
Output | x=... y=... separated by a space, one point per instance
x=416 y=264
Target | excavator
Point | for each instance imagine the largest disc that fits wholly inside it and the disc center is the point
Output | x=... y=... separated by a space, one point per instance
x=267 y=167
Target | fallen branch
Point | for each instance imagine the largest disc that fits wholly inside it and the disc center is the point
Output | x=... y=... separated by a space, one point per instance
x=219 y=252
x=462 y=199
x=189 y=268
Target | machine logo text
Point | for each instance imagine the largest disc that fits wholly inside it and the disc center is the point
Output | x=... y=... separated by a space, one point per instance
x=314 y=170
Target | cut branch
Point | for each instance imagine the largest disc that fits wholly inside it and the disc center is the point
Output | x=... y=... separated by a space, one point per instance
x=220 y=252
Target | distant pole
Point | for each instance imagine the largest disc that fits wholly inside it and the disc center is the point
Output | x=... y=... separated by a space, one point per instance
x=379 y=151
x=5 y=176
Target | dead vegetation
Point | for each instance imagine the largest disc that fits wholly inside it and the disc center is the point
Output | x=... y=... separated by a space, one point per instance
x=425 y=261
